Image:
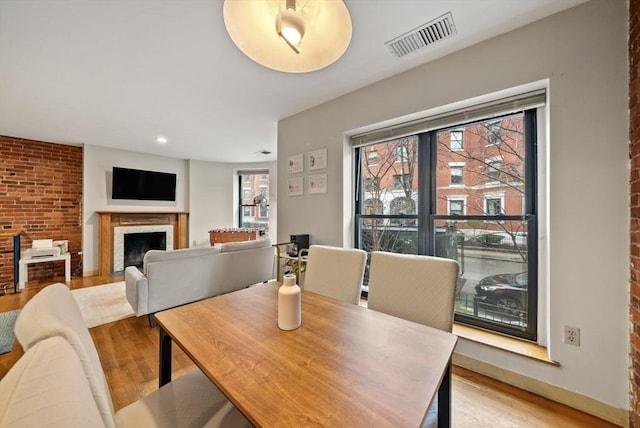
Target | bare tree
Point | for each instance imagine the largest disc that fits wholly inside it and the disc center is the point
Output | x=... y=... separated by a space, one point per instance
x=497 y=160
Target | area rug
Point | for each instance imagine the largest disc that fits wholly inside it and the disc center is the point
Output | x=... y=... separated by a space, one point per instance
x=7 y=336
x=103 y=304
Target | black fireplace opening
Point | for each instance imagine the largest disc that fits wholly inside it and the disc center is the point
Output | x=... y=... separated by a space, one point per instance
x=136 y=246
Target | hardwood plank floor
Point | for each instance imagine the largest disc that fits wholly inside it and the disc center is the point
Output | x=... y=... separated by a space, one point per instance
x=129 y=353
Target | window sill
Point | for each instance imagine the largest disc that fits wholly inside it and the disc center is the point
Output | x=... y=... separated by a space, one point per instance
x=505 y=343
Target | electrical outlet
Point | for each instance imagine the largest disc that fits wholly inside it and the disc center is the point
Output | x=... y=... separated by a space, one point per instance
x=571 y=335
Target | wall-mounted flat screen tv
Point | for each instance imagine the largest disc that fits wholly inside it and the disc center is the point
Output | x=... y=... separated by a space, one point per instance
x=143 y=185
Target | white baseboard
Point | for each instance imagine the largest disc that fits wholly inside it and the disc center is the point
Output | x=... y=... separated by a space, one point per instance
x=572 y=399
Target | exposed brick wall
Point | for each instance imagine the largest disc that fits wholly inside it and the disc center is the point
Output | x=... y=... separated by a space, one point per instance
x=40 y=196
x=634 y=154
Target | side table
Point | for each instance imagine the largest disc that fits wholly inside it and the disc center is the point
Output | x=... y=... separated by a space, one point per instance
x=23 y=264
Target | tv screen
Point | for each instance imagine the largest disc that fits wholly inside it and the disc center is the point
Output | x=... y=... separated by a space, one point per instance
x=143 y=185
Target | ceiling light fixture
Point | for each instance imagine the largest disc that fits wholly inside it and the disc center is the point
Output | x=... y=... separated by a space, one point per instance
x=318 y=32
x=290 y=26
x=161 y=140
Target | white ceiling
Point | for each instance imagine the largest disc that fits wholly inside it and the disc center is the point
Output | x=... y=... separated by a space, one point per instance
x=118 y=73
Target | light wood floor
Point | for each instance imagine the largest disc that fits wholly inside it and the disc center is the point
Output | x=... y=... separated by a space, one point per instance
x=129 y=353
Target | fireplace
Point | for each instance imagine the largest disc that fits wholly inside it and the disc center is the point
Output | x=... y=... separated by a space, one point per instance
x=114 y=226
x=136 y=235
x=136 y=246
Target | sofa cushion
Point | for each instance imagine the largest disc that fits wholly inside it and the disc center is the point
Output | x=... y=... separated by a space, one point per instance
x=244 y=245
x=152 y=256
x=48 y=386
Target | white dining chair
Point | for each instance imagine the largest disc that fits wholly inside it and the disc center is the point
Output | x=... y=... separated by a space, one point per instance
x=414 y=287
x=189 y=400
x=335 y=272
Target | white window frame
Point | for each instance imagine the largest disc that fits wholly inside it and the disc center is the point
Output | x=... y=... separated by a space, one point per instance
x=456 y=198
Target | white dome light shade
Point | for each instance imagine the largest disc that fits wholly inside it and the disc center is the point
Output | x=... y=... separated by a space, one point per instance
x=325 y=32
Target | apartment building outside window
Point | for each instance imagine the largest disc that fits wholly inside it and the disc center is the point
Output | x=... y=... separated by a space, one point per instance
x=474 y=203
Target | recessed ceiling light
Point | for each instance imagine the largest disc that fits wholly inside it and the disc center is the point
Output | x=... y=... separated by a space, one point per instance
x=161 y=140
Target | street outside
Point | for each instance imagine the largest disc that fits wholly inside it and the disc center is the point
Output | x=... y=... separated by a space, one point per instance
x=480 y=263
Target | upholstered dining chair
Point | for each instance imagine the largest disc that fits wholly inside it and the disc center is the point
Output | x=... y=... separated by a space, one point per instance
x=417 y=288
x=335 y=272
x=189 y=400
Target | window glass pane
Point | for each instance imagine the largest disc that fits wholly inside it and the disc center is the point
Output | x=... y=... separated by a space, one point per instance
x=387 y=180
x=381 y=234
x=493 y=263
x=493 y=174
x=252 y=215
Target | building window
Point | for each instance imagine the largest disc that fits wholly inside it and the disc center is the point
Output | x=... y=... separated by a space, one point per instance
x=402 y=153
x=493 y=206
x=456 y=207
x=456 y=175
x=494 y=129
x=493 y=170
x=490 y=234
x=455 y=142
x=371 y=184
x=372 y=157
x=401 y=181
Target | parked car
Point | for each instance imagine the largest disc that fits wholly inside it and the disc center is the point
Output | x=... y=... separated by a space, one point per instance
x=507 y=291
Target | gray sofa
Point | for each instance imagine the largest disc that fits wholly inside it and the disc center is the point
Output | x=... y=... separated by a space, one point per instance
x=174 y=278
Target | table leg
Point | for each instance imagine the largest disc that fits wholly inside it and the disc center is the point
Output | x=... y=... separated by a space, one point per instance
x=444 y=399
x=164 y=357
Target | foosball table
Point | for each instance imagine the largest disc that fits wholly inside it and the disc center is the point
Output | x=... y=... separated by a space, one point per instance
x=220 y=236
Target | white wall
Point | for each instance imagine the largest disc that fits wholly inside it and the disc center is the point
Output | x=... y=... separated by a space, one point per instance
x=213 y=193
x=206 y=190
x=581 y=53
x=98 y=163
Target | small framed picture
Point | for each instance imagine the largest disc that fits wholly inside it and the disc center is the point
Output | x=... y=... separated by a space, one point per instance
x=318 y=159
x=317 y=184
x=296 y=163
x=295 y=187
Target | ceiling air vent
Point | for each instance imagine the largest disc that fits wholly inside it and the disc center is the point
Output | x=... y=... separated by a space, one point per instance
x=423 y=36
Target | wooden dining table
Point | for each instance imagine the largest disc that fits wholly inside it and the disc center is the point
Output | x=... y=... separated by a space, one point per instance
x=345 y=366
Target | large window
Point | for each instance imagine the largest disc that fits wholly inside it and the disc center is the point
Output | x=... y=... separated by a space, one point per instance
x=254 y=199
x=468 y=193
